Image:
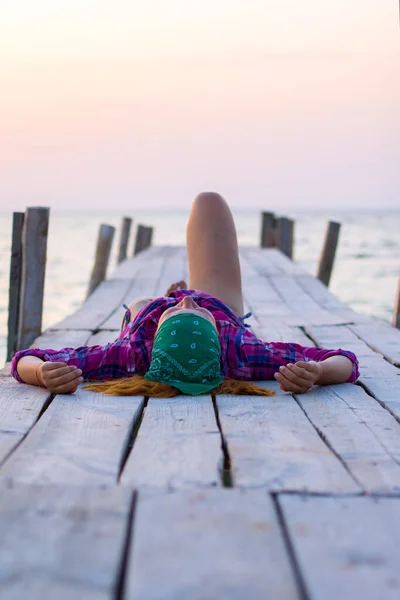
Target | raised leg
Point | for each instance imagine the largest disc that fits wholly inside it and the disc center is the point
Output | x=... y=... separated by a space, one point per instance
x=213 y=251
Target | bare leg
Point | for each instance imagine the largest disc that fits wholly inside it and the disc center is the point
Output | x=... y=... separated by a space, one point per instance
x=213 y=251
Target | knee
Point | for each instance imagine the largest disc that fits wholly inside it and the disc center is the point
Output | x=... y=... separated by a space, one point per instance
x=209 y=200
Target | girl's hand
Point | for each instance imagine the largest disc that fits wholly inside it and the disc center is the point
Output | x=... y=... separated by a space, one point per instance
x=298 y=377
x=59 y=378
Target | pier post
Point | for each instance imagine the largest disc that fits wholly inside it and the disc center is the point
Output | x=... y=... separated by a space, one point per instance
x=125 y=232
x=103 y=250
x=144 y=238
x=285 y=235
x=396 y=313
x=15 y=284
x=34 y=252
x=327 y=259
x=268 y=230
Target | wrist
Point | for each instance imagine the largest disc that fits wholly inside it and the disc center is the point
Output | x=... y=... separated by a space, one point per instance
x=320 y=372
x=39 y=374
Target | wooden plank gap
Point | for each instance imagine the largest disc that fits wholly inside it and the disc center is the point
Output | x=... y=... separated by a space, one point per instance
x=290 y=549
x=131 y=437
x=121 y=579
x=226 y=467
x=328 y=444
x=14 y=448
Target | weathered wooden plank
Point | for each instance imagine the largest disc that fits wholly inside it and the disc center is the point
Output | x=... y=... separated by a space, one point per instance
x=264 y=300
x=102 y=256
x=63 y=542
x=381 y=337
x=223 y=544
x=178 y=445
x=20 y=406
x=346 y=548
x=80 y=439
x=377 y=375
x=273 y=445
x=15 y=283
x=301 y=303
x=320 y=293
x=105 y=300
x=271 y=262
x=340 y=336
x=278 y=332
x=265 y=261
x=173 y=269
x=131 y=267
x=34 y=251
x=382 y=380
x=62 y=338
x=360 y=431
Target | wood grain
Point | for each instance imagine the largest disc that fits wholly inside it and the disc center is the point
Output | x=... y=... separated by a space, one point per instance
x=178 y=445
x=346 y=548
x=63 y=542
x=20 y=406
x=273 y=445
x=80 y=439
x=360 y=431
x=223 y=544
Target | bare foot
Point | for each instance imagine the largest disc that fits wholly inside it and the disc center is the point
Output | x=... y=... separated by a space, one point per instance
x=179 y=285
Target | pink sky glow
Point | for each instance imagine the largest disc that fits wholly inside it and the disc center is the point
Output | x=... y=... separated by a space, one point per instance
x=273 y=103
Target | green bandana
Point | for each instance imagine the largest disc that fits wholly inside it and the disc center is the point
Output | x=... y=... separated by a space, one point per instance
x=187 y=355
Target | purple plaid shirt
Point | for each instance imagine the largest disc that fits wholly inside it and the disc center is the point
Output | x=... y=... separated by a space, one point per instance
x=243 y=355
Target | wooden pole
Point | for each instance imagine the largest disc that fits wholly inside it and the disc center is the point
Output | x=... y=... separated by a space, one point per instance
x=125 y=232
x=285 y=235
x=396 y=314
x=144 y=236
x=34 y=252
x=103 y=250
x=327 y=259
x=268 y=230
x=15 y=284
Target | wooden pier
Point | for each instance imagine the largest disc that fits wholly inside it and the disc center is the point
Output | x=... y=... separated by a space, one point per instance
x=226 y=497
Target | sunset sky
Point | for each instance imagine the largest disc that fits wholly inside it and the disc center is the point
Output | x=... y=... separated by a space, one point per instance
x=128 y=104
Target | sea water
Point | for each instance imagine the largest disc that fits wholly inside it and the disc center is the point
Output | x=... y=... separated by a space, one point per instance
x=365 y=275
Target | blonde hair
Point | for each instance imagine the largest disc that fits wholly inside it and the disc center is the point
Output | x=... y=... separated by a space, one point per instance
x=139 y=386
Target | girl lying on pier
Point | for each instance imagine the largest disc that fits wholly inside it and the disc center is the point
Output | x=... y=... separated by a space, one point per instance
x=191 y=341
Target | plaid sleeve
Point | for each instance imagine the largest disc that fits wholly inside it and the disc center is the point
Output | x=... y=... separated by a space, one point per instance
x=265 y=358
x=97 y=362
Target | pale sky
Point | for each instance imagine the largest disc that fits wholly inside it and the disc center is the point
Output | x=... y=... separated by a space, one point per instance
x=138 y=104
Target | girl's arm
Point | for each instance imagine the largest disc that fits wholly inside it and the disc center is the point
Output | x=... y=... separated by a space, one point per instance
x=55 y=368
x=57 y=377
x=301 y=376
x=297 y=367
